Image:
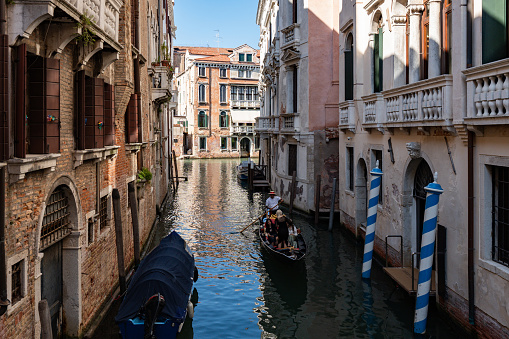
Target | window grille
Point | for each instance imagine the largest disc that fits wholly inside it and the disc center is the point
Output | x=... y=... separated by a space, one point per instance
x=16 y=294
x=56 y=223
x=103 y=211
x=500 y=215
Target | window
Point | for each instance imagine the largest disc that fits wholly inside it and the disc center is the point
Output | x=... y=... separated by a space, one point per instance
x=249 y=57
x=494 y=30
x=377 y=156
x=248 y=73
x=294 y=89
x=222 y=72
x=257 y=143
x=224 y=143
x=407 y=47
x=256 y=96
x=201 y=93
x=234 y=143
x=203 y=143
x=500 y=213
x=249 y=94
x=233 y=94
x=378 y=58
x=201 y=71
x=241 y=57
x=447 y=37
x=103 y=212
x=222 y=93
x=17 y=283
x=292 y=159
x=202 y=120
x=349 y=168
x=56 y=223
x=425 y=41
x=241 y=93
x=223 y=119
x=349 y=68
x=241 y=73
x=294 y=11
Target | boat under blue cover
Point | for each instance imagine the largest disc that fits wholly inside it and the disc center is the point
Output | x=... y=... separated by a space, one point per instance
x=168 y=271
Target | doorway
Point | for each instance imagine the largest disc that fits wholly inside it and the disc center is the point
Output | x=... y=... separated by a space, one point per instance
x=361 y=194
x=423 y=176
x=245 y=148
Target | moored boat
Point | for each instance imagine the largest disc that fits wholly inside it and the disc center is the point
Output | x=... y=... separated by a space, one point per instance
x=242 y=169
x=157 y=301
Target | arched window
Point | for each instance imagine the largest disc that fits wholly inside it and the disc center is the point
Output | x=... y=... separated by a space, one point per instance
x=223 y=119
x=201 y=93
x=349 y=68
x=447 y=37
x=222 y=93
x=202 y=119
x=378 y=54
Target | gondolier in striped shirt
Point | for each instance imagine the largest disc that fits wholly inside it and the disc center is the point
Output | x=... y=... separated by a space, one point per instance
x=272 y=202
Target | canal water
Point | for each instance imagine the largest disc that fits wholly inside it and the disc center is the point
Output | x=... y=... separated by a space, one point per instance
x=244 y=293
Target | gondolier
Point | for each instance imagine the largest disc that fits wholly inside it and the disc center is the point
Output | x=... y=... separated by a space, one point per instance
x=272 y=202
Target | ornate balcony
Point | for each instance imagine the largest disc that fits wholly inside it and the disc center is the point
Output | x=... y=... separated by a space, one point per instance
x=290 y=123
x=161 y=84
x=373 y=115
x=245 y=103
x=488 y=94
x=291 y=35
x=347 y=116
x=265 y=124
x=243 y=129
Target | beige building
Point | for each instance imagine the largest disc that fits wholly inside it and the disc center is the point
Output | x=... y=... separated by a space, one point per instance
x=422 y=90
x=218 y=101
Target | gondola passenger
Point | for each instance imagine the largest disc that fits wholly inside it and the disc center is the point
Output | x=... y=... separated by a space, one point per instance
x=292 y=235
x=271 y=231
x=282 y=229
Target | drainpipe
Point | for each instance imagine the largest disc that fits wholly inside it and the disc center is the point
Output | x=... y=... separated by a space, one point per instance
x=471 y=301
x=137 y=84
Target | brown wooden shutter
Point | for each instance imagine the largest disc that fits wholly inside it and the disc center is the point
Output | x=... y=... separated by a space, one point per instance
x=20 y=135
x=44 y=105
x=94 y=113
x=80 y=110
x=131 y=119
x=4 y=103
x=109 y=115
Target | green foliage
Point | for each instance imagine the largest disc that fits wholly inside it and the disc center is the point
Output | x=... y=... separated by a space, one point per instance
x=165 y=52
x=144 y=174
x=87 y=35
x=9 y=2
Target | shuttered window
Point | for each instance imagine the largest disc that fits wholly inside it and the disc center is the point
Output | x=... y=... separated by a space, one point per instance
x=94 y=113
x=494 y=30
x=109 y=115
x=4 y=85
x=43 y=106
x=80 y=110
x=131 y=119
x=378 y=61
x=349 y=68
x=202 y=119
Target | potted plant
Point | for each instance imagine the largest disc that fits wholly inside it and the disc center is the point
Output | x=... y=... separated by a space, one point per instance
x=144 y=176
x=165 y=55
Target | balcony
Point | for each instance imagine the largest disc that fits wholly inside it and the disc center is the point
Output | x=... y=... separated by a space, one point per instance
x=373 y=114
x=266 y=124
x=291 y=35
x=243 y=129
x=488 y=94
x=347 y=116
x=161 y=84
x=245 y=103
x=290 y=123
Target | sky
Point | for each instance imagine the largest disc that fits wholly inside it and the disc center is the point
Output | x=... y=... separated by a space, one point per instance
x=198 y=22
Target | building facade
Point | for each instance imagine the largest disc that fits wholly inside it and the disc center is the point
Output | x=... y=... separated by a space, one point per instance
x=298 y=121
x=422 y=91
x=82 y=115
x=218 y=101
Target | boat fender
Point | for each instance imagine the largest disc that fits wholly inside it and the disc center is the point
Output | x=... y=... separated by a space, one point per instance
x=190 y=309
x=195 y=276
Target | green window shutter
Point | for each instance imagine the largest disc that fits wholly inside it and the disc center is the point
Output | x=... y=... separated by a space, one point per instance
x=206 y=120
x=348 y=75
x=380 y=59
x=376 y=65
x=494 y=30
x=227 y=120
x=250 y=57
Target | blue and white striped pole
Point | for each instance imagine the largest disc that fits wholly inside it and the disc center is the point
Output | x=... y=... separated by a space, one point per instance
x=369 y=240
x=427 y=249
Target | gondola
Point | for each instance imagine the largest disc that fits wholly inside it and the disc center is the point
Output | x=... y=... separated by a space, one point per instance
x=289 y=254
x=242 y=169
x=158 y=298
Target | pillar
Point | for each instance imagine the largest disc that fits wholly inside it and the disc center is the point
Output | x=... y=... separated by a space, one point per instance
x=414 y=42
x=435 y=38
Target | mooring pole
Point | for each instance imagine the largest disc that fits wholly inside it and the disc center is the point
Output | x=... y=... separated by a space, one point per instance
x=119 y=241
x=332 y=203
x=136 y=227
x=292 y=193
x=176 y=170
x=317 y=197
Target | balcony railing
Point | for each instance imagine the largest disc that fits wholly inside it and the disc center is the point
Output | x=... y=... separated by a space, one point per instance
x=488 y=93
x=160 y=83
x=245 y=103
x=372 y=112
x=290 y=34
x=243 y=129
x=347 y=115
x=427 y=102
x=266 y=124
x=290 y=122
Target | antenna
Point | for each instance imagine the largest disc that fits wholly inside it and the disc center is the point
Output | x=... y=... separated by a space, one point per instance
x=218 y=38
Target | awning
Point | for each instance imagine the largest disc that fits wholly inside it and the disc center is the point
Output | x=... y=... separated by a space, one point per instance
x=244 y=115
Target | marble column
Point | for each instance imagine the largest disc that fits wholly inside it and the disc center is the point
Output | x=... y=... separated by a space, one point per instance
x=399 y=29
x=371 y=44
x=435 y=38
x=414 y=42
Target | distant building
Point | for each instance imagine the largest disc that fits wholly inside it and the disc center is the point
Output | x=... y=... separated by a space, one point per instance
x=217 y=102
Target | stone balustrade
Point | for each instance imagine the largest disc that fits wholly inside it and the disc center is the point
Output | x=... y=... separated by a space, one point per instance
x=245 y=103
x=290 y=35
x=347 y=115
x=243 y=129
x=290 y=122
x=103 y=13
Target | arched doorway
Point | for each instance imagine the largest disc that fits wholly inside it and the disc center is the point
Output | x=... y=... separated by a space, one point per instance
x=361 y=194
x=423 y=176
x=245 y=147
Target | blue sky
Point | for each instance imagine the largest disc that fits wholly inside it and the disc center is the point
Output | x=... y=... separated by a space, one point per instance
x=197 y=23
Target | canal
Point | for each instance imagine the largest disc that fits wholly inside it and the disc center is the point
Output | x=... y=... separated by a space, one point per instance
x=243 y=293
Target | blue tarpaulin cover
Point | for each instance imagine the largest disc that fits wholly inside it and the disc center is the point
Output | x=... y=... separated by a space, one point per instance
x=168 y=270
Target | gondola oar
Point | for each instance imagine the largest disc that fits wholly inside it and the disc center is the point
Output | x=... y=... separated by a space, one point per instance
x=245 y=228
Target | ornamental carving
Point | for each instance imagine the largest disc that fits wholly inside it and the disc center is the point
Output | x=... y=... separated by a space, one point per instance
x=414 y=149
x=415 y=9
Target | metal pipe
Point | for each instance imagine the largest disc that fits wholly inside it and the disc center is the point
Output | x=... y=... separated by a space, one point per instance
x=470 y=217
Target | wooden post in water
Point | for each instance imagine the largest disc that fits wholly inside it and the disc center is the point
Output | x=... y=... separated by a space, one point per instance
x=176 y=170
x=292 y=193
x=170 y=170
x=317 y=197
x=136 y=227
x=332 y=203
x=119 y=241
x=250 y=175
x=45 y=318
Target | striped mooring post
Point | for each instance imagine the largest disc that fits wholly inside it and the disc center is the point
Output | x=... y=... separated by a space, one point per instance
x=369 y=240
x=427 y=248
